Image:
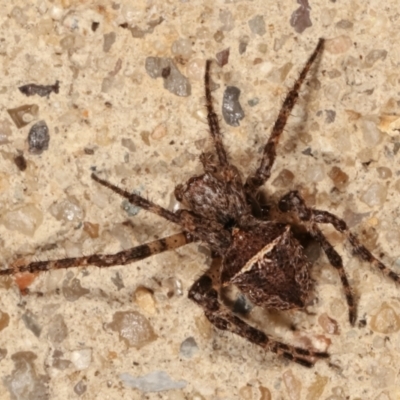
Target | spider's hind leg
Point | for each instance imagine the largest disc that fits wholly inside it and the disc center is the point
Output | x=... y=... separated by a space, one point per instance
x=203 y=293
x=263 y=172
x=105 y=260
x=294 y=202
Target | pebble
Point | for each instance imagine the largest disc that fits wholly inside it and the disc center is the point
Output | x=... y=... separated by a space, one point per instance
x=375 y=195
x=109 y=40
x=182 y=48
x=284 y=178
x=156 y=381
x=293 y=385
x=25 y=382
x=371 y=134
x=58 y=330
x=73 y=290
x=257 y=25
x=4 y=320
x=227 y=19
x=80 y=388
x=314 y=173
x=338 y=45
x=38 y=138
x=5 y=131
x=339 y=178
x=385 y=320
x=23 y=115
x=189 y=347
x=373 y=56
x=25 y=219
x=384 y=172
x=81 y=358
x=133 y=328
x=31 y=323
x=67 y=210
x=232 y=111
x=300 y=19
x=328 y=324
x=174 y=81
x=145 y=300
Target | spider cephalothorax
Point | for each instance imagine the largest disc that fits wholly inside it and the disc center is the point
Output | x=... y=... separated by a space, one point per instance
x=260 y=256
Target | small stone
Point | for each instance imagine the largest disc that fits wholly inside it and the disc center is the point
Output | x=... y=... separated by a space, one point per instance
x=384 y=172
x=373 y=56
x=293 y=385
x=38 y=138
x=284 y=178
x=80 y=388
x=340 y=179
x=81 y=358
x=371 y=134
x=4 y=320
x=159 y=132
x=91 y=229
x=314 y=173
x=67 y=210
x=157 y=381
x=109 y=40
x=145 y=300
x=189 y=348
x=385 y=320
x=338 y=45
x=257 y=25
x=328 y=324
x=31 y=323
x=174 y=286
x=182 y=48
x=23 y=115
x=25 y=382
x=344 y=24
x=232 y=111
x=174 y=81
x=133 y=328
x=25 y=219
x=227 y=19
x=316 y=389
x=5 y=131
x=67 y=42
x=243 y=43
x=300 y=19
x=375 y=195
x=222 y=57
x=129 y=144
x=72 y=290
x=58 y=330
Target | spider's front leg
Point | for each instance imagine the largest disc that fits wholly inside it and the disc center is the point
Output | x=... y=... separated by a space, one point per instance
x=295 y=203
x=203 y=293
x=263 y=172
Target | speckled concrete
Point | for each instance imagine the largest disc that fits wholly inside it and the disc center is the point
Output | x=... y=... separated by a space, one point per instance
x=60 y=338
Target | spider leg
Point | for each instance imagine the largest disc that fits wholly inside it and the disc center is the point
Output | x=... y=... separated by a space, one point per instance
x=106 y=260
x=206 y=296
x=293 y=201
x=263 y=172
x=212 y=119
x=201 y=228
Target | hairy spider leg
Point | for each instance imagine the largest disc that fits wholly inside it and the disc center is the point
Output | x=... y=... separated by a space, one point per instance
x=294 y=202
x=263 y=172
x=212 y=119
x=106 y=260
x=222 y=318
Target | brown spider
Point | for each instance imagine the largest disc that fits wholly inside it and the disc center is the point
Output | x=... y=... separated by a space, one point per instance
x=260 y=256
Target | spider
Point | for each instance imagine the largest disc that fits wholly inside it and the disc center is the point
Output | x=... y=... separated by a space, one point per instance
x=261 y=256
